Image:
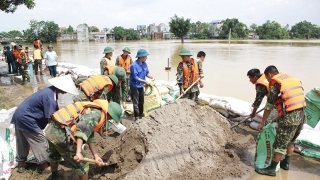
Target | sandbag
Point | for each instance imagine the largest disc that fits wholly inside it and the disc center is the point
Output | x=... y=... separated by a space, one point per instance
x=167 y=98
x=264 y=147
x=309 y=138
x=312 y=153
x=254 y=125
x=313 y=114
x=152 y=100
x=298 y=148
x=7 y=143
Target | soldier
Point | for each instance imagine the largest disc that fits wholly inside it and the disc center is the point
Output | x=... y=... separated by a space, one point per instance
x=119 y=93
x=65 y=141
x=37 y=56
x=262 y=86
x=125 y=61
x=290 y=105
x=95 y=87
x=200 y=58
x=106 y=63
x=188 y=71
x=24 y=65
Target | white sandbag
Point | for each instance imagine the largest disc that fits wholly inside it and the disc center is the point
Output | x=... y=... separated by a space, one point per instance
x=298 y=148
x=7 y=143
x=254 y=125
x=309 y=138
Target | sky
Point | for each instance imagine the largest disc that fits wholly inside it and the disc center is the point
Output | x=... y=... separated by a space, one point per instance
x=130 y=13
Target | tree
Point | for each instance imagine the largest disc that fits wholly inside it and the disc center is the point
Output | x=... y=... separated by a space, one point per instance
x=253 y=27
x=179 y=26
x=305 y=30
x=11 y=6
x=272 y=30
x=70 y=30
x=200 y=30
x=95 y=29
x=47 y=31
x=15 y=33
x=238 y=29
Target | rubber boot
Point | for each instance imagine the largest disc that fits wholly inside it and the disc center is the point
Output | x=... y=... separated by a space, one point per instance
x=269 y=171
x=284 y=164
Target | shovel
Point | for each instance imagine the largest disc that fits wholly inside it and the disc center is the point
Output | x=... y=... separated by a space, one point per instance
x=92 y=161
x=189 y=88
x=246 y=119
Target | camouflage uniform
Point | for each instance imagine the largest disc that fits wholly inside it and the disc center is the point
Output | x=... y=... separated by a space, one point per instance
x=194 y=92
x=261 y=92
x=125 y=85
x=58 y=141
x=25 y=74
x=103 y=64
x=102 y=94
x=289 y=125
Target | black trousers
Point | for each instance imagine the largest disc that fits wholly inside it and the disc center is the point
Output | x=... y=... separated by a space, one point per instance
x=137 y=96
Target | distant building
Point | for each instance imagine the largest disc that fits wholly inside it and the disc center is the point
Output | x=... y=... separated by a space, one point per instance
x=61 y=29
x=67 y=37
x=141 y=27
x=97 y=36
x=253 y=35
x=82 y=33
x=214 y=27
x=152 y=28
x=285 y=26
x=163 y=28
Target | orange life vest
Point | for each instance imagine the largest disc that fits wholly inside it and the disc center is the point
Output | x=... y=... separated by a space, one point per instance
x=263 y=81
x=37 y=54
x=125 y=63
x=291 y=95
x=94 y=84
x=37 y=44
x=68 y=117
x=194 y=72
x=109 y=65
x=16 y=55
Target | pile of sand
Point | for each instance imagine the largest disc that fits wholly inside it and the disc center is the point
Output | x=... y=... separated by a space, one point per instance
x=181 y=140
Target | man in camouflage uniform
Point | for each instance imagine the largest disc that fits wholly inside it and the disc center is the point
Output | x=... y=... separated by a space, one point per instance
x=125 y=85
x=57 y=139
x=106 y=62
x=119 y=93
x=101 y=94
x=24 y=65
x=194 y=92
x=289 y=127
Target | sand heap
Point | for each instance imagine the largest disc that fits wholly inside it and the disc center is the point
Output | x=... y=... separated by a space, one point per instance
x=181 y=140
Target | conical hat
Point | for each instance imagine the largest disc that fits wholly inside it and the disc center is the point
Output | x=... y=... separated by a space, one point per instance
x=64 y=83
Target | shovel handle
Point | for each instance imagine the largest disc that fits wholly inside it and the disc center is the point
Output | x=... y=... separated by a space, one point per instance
x=89 y=160
x=246 y=119
x=189 y=88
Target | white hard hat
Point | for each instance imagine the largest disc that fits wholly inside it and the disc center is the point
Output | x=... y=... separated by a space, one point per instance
x=64 y=83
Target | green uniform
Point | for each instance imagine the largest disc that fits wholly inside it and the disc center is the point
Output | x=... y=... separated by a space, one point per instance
x=119 y=93
x=102 y=94
x=289 y=125
x=261 y=92
x=194 y=92
x=103 y=64
x=25 y=74
x=57 y=139
x=125 y=85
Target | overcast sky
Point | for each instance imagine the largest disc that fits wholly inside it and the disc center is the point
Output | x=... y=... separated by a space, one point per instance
x=130 y=13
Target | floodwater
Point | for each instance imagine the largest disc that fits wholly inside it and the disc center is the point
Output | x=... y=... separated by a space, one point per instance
x=225 y=70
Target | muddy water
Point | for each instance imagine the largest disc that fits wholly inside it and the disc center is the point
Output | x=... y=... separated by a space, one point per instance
x=225 y=71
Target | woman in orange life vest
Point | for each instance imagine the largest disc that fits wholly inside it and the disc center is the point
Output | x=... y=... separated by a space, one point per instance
x=262 y=86
x=106 y=63
x=76 y=124
x=188 y=72
x=286 y=93
x=125 y=61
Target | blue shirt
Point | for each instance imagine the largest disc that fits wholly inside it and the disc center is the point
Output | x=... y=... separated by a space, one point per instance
x=51 y=57
x=9 y=55
x=33 y=113
x=138 y=70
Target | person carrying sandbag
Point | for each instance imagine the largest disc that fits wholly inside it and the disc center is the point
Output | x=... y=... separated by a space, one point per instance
x=286 y=93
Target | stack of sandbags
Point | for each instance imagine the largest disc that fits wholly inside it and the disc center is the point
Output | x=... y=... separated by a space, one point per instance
x=7 y=143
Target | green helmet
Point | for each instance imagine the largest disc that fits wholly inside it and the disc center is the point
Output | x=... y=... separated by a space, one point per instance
x=107 y=50
x=142 y=53
x=18 y=47
x=113 y=78
x=50 y=46
x=120 y=73
x=115 y=111
x=127 y=49
x=185 y=52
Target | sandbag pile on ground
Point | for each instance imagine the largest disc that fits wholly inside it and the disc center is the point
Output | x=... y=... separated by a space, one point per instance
x=7 y=143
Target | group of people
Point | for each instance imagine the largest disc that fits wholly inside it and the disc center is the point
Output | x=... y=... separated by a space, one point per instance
x=18 y=60
x=284 y=94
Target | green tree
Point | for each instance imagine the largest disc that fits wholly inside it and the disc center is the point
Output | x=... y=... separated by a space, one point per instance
x=179 y=26
x=200 y=30
x=272 y=30
x=70 y=29
x=15 y=33
x=119 y=33
x=95 y=29
x=46 y=31
x=238 y=29
x=10 y=6
x=305 y=30
x=253 y=27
